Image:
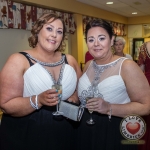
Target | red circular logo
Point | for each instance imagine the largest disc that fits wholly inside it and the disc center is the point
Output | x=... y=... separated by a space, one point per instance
x=133 y=127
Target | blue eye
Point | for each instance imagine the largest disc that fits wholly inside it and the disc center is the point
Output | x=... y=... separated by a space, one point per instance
x=90 y=40
x=60 y=32
x=49 y=28
x=101 y=38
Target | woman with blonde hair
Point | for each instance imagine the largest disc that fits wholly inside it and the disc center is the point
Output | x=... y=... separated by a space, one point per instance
x=119 y=45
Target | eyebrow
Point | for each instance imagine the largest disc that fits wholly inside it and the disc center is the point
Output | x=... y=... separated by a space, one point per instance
x=52 y=25
x=98 y=36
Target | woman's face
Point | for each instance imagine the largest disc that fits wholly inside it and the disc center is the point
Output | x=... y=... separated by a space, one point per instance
x=119 y=46
x=50 y=36
x=98 y=42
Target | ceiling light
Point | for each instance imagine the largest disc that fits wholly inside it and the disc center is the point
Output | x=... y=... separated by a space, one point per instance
x=134 y=13
x=109 y=3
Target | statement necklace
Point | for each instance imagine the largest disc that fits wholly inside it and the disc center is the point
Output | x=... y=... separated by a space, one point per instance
x=47 y=64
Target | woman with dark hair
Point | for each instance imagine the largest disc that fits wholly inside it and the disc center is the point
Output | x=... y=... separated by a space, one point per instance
x=27 y=97
x=110 y=82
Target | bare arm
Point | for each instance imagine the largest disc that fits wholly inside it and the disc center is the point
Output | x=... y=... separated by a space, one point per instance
x=11 y=88
x=137 y=88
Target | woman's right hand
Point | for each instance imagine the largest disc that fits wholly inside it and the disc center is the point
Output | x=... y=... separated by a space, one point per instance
x=48 y=98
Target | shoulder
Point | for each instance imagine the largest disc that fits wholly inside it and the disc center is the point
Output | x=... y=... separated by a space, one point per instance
x=130 y=71
x=70 y=59
x=128 y=61
x=16 y=57
x=129 y=66
x=87 y=65
x=16 y=61
x=73 y=62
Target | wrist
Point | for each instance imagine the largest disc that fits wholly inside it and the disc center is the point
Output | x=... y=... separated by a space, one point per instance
x=34 y=102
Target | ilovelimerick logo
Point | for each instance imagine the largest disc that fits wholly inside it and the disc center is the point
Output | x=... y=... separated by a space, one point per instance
x=133 y=128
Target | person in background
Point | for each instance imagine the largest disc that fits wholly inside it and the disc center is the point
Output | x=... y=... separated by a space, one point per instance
x=119 y=45
x=27 y=98
x=144 y=63
x=116 y=94
x=88 y=56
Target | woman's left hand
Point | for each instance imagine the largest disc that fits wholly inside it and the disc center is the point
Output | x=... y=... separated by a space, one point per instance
x=98 y=105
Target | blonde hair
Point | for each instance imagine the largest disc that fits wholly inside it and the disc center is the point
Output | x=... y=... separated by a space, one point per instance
x=119 y=38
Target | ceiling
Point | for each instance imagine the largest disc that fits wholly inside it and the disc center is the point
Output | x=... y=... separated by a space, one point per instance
x=122 y=7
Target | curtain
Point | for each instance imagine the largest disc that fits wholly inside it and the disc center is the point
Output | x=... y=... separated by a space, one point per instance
x=22 y=16
x=119 y=29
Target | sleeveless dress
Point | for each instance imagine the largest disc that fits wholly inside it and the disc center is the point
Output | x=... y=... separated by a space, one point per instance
x=144 y=59
x=40 y=130
x=104 y=134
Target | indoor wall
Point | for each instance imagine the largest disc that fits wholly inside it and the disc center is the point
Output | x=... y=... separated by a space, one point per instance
x=16 y=39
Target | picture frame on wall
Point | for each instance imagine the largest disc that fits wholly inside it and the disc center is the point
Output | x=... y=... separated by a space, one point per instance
x=137 y=42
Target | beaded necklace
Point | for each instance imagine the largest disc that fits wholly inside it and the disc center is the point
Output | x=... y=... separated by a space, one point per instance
x=62 y=61
x=48 y=64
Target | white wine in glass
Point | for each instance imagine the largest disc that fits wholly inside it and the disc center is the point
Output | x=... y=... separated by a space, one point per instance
x=59 y=88
x=90 y=121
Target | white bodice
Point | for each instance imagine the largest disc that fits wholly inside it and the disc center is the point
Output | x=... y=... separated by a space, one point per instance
x=111 y=87
x=38 y=80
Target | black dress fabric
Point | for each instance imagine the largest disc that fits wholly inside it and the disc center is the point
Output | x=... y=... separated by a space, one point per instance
x=103 y=135
x=39 y=130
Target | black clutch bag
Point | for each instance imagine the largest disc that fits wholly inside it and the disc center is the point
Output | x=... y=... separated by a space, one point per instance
x=71 y=110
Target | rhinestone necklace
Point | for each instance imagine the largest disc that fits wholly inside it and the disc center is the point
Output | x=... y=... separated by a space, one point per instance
x=60 y=75
x=47 y=64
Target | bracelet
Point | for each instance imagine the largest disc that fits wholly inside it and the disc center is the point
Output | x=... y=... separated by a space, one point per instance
x=36 y=102
x=35 y=106
x=110 y=112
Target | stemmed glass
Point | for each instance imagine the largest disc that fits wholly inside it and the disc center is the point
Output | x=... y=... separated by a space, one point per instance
x=90 y=121
x=59 y=88
x=94 y=92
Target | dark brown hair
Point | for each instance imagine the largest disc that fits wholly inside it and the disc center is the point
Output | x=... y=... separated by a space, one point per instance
x=33 y=39
x=99 y=23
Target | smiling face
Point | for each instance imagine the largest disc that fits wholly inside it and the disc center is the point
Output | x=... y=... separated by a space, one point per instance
x=119 y=46
x=51 y=35
x=99 y=42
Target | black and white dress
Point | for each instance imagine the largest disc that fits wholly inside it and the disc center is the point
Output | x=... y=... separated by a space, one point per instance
x=40 y=130
x=105 y=134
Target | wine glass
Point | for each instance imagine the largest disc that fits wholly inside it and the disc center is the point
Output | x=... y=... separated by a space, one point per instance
x=90 y=121
x=59 y=88
x=94 y=92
